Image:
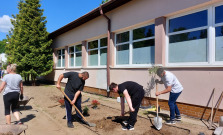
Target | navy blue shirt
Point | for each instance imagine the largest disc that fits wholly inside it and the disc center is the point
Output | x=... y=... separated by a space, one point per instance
x=74 y=83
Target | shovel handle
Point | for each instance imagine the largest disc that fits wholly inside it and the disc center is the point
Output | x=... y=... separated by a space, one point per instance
x=73 y=105
x=157 y=99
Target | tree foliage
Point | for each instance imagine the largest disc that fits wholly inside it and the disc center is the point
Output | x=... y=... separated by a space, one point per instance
x=104 y=1
x=29 y=46
x=2 y=45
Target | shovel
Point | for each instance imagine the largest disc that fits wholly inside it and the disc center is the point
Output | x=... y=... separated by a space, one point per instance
x=89 y=124
x=157 y=119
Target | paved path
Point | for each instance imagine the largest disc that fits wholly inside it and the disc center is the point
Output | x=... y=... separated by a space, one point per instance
x=2 y=110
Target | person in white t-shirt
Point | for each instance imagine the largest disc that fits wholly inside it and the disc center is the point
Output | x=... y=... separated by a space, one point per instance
x=13 y=90
x=174 y=87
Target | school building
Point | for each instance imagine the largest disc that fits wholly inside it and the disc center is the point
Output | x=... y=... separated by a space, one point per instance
x=122 y=39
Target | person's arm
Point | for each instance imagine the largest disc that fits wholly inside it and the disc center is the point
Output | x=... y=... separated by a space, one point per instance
x=122 y=106
x=128 y=99
x=168 y=89
x=21 y=87
x=75 y=97
x=2 y=86
x=59 y=81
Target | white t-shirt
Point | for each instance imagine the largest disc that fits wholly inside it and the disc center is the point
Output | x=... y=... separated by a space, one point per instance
x=12 y=83
x=169 y=79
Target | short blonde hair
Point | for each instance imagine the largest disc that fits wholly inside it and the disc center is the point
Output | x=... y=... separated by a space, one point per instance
x=13 y=67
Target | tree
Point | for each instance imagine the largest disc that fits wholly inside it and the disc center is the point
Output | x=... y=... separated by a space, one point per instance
x=104 y=1
x=29 y=46
x=2 y=45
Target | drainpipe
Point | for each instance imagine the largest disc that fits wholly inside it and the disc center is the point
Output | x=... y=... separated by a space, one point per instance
x=108 y=49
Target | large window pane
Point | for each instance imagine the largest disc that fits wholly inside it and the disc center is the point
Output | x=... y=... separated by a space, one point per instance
x=93 y=44
x=103 y=42
x=219 y=43
x=143 y=32
x=122 y=37
x=93 y=58
x=78 y=48
x=143 y=52
x=188 y=47
x=78 y=61
x=190 y=21
x=122 y=54
x=219 y=14
x=103 y=56
x=63 y=61
x=71 y=62
x=59 y=61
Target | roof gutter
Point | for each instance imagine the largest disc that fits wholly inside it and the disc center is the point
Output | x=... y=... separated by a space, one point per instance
x=108 y=49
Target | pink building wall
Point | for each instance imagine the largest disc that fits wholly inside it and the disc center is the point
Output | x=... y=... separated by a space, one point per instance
x=198 y=82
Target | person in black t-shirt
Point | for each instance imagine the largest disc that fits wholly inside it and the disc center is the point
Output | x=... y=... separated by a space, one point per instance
x=74 y=86
x=133 y=93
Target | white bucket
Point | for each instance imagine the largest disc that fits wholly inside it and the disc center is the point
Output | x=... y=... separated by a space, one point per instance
x=119 y=100
x=221 y=121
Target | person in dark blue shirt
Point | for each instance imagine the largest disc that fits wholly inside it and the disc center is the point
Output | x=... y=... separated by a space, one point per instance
x=74 y=86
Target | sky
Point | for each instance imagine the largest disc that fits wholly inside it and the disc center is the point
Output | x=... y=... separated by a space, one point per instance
x=58 y=12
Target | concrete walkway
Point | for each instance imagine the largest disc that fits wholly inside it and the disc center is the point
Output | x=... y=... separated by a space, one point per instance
x=2 y=110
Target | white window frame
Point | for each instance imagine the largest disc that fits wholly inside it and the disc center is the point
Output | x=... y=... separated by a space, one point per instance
x=130 y=42
x=61 y=58
x=210 y=39
x=99 y=51
x=74 y=56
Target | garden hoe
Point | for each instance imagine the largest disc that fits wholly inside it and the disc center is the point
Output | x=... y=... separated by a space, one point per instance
x=89 y=124
x=157 y=119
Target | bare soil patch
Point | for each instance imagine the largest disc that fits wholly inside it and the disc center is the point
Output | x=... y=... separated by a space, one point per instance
x=106 y=117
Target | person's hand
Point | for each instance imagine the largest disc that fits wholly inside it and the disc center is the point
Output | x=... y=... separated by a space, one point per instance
x=157 y=81
x=21 y=96
x=158 y=93
x=132 y=109
x=58 y=86
x=122 y=114
x=72 y=102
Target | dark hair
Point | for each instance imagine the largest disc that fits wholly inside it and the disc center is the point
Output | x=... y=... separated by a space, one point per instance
x=85 y=73
x=159 y=71
x=112 y=85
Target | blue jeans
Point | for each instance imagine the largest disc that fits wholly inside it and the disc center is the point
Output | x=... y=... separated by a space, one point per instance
x=69 y=107
x=173 y=106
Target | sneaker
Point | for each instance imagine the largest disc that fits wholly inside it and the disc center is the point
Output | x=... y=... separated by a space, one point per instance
x=170 y=122
x=124 y=128
x=178 y=118
x=18 y=123
x=125 y=122
x=130 y=127
x=70 y=125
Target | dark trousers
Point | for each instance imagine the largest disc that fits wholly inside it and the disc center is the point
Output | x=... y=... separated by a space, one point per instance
x=69 y=107
x=136 y=102
x=10 y=101
x=173 y=106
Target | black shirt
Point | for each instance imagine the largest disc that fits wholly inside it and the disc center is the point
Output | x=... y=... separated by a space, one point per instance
x=74 y=83
x=133 y=88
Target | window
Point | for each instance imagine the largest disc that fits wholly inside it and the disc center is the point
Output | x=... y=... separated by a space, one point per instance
x=97 y=52
x=136 y=46
x=200 y=43
x=187 y=39
x=218 y=33
x=75 y=56
x=61 y=58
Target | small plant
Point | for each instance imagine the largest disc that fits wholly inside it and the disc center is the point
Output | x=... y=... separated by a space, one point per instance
x=86 y=111
x=95 y=103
